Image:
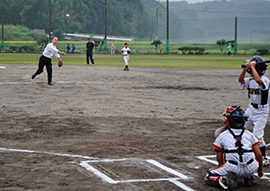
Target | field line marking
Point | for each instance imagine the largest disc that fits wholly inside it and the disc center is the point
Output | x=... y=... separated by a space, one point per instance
x=148 y=180
x=98 y=173
x=107 y=160
x=205 y=158
x=60 y=82
x=181 y=185
x=47 y=153
x=15 y=83
x=180 y=175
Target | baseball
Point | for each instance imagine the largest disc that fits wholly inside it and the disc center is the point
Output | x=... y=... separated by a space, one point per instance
x=67 y=15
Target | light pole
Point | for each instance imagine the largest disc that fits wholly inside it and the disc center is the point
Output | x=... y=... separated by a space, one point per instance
x=50 y=14
x=167 y=41
x=105 y=26
x=2 y=43
x=235 y=36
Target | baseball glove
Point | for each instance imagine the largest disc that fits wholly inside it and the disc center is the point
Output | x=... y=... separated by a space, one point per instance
x=60 y=63
x=128 y=52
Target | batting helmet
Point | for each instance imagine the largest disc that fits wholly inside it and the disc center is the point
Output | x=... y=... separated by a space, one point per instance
x=260 y=67
x=235 y=117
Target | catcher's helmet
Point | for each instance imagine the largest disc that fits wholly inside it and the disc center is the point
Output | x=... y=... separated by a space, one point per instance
x=235 y=117
x=260 y=68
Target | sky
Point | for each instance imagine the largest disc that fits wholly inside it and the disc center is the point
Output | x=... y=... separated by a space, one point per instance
x=189 y=1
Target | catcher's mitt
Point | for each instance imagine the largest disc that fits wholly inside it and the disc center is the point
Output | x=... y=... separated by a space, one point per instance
x=60 y=63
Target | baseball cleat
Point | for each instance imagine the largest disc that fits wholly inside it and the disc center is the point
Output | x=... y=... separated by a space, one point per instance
x=228 y=181
x=50 y=83
x=265 y=162
x=250 y=181
x=34 y=75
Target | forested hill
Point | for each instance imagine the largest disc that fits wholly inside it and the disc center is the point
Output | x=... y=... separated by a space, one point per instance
x=199 y=22
x=215 y=20
x=124 y=18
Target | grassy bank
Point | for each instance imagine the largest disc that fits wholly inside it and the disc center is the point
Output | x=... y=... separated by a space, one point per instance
x=172 y=60
x=146 y=47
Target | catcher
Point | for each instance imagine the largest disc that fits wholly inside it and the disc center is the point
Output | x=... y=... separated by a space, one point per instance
x=238 y=153
x=45 y=59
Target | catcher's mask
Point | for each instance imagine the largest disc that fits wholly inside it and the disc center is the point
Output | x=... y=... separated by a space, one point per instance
x=235 y=117
x=260 y=68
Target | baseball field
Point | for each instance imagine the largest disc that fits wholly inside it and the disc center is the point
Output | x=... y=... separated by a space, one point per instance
x=101 y=128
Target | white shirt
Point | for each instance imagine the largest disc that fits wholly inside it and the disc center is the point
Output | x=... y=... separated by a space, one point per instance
x=258 y=94
x=226 y=141
x=51 y=50
x=125 y=51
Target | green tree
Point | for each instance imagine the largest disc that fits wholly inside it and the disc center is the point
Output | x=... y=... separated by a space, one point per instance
x=221 y=43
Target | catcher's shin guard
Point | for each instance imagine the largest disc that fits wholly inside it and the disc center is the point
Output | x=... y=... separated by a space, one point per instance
x=216 y=180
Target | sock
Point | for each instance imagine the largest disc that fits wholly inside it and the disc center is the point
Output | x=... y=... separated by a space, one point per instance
x=263 y=151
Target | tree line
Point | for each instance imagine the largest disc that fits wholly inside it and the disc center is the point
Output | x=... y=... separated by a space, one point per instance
x=124 y=18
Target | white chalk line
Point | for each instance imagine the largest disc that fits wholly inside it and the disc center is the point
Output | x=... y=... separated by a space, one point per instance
x=106 y=178
x=98 y=173
x=60 y=82
x=48 y=153
x=205 y=158
x=180 y=175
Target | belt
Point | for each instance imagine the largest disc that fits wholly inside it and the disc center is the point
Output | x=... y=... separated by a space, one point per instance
x=46 y=57
x=256 y=106
x=236 y=163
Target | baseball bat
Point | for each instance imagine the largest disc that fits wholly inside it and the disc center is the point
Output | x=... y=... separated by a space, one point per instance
x=266 y=61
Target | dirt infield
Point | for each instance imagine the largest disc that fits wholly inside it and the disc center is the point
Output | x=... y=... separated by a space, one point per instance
x=100 y=128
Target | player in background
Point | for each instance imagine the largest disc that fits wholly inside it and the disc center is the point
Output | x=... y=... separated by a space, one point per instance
x=89 y=52
x=235 y=148
x=125 y=52
x=45 y=59
x=230 y=50
x=258 y=94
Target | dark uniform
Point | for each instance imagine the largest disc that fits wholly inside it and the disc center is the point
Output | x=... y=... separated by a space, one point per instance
x=89 y=53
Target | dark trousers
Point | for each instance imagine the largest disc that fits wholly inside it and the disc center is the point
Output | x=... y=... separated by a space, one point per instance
x=91 y=58
x=44 y=61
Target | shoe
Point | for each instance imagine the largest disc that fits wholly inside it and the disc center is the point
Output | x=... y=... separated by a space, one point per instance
x=228 y=181
x=125 y=69
x=232 y=180
x=250 y=181
x=34 y=75
x=50 y=83
x=93 y=64
x=87 y=64
x=265 y=162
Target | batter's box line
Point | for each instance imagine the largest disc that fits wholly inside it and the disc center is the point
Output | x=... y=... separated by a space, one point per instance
x=207 y=158
x=179 y=176
x=48 y=153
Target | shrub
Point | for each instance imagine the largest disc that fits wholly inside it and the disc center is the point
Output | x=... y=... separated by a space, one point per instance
x=263 y=51
x=191 y=50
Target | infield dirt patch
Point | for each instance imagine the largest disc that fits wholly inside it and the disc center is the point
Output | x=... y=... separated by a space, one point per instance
x=163 y=114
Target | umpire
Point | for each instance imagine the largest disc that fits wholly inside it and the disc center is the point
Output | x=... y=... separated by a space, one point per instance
x=89 y=52
x=45 y=59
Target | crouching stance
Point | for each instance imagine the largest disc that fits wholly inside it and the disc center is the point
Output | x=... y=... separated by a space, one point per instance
x=235 y=149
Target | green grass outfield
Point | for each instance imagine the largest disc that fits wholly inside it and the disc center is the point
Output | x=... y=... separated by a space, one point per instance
x=171 y=60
